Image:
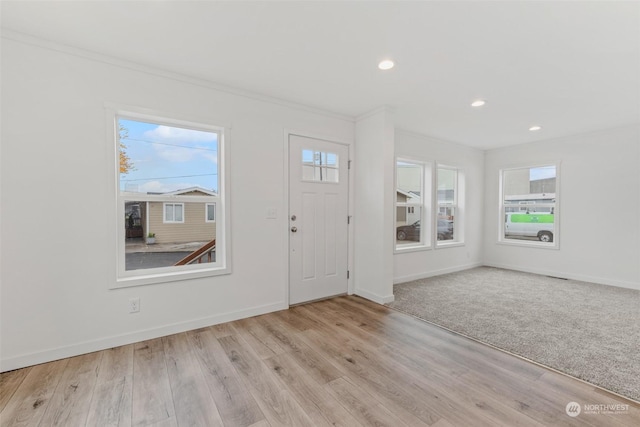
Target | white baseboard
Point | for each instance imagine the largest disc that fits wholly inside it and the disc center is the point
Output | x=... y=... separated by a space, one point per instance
x=409 y=278
x=374 y=297
x=572 y=276
x=30 y=359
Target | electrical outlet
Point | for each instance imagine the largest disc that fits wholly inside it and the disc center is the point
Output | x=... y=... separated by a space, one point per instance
x=134 y=305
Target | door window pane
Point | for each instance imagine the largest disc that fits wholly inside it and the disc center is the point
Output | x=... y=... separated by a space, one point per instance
x=319 y=166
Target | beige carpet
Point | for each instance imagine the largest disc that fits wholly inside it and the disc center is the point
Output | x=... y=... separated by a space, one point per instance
x=586 y=330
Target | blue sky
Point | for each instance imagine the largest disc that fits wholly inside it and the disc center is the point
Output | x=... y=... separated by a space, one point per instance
x=542 y=173
x=167 y=158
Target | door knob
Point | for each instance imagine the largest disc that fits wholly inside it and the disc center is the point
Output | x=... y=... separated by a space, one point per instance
x=294 y=229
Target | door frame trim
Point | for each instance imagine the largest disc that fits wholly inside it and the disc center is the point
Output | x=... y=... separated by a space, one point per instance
x=286 y=206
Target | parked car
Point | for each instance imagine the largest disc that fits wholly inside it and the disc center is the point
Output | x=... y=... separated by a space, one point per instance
x=445 y=229
x=409 y=232
x=412 y=231
x=538 y=225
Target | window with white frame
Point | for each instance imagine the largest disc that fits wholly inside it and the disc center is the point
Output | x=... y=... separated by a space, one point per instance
x=210 y=212
x=528 y=205
x=174 y=212
x=169 y=172
x=412 y=215
x=447 y=204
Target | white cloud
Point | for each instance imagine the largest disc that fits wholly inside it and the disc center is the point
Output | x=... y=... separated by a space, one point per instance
x=211 y=156
x=179 y=135
x=175 y=154
x=183 y=145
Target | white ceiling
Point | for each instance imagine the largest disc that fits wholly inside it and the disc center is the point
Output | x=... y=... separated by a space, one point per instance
x=570 y=67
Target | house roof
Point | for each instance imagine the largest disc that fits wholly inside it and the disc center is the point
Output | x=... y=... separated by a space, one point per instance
x=410 y=195
x=191 y=190
x=185 y=191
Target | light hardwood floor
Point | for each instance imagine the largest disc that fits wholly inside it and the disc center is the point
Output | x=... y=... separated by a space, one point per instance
x=344 y=362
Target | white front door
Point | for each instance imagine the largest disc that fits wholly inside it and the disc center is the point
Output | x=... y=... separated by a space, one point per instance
x=318 y=216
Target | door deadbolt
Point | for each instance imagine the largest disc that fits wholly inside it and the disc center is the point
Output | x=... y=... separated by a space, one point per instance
x=293 y=217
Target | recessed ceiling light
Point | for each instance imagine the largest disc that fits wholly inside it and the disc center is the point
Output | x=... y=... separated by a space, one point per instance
x=387 y=64
x=535 y=128
x=478 y=103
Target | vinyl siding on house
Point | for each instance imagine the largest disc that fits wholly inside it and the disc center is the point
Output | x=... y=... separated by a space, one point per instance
x=193 y=229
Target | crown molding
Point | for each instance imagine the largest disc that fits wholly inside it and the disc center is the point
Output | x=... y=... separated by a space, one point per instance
x=122 y=63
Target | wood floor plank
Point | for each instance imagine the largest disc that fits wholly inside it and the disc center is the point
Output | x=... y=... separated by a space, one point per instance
x=481 y=409
x=69 y=405
x=192 y=401
x=243 y=328
x=30 y=401
x=320 y=406
x=364 y=407
x=412 y=331
x=275 y=401
x=263 y=423
x=561 y=387
x=236 y=405
x=222 y=330
x=111 y=401
x=152 y=401
x=345 y=361
x=9 y=383
x=254 y=327
x=316 y=366
x=400 y=399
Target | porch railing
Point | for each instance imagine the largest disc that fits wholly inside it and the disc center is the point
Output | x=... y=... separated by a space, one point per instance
x=199 y=254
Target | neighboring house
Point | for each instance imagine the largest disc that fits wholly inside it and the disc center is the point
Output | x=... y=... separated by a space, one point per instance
x=526 y=193
x=527 y=202
x=176 y=222
x=406 y=214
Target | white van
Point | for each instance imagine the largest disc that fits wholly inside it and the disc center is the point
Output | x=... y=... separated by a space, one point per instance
x=538 y=225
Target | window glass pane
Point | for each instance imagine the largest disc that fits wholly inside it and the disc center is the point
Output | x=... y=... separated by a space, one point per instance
x=447 y=185
x=524 y=191
x=211 y=212
x=330 y=175
x=408 y=226
x=446 y=223
x=409 y=179
x=158 y=161
x=409 y=209
x=163 y=245
x=308 y=173
x=529 y=186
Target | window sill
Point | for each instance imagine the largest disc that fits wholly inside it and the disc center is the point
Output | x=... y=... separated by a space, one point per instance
x=529 y=244
x=411 y=249
x=449 y=245
x=178 y=276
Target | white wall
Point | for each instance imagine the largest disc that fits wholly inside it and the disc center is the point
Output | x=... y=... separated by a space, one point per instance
x=58 y=214
x=425 y=263
x=599 y=208
x=374 y=204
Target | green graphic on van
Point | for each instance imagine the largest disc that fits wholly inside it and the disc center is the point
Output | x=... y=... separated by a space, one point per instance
x=529 y=218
